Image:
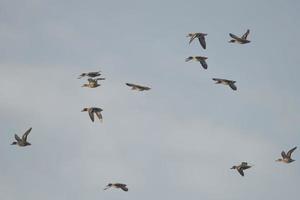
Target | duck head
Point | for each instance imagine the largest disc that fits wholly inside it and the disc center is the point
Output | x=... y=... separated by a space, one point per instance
x=84 y=110
x=188 y=59
x=14 y=143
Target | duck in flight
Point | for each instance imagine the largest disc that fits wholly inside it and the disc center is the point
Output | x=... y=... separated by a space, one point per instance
x=92 y=111
x=90 y=74
x=200 y=36
x=93 y=83
x=240 y=168
x=200 y=59
x=240 y=40
x=230 y=83
x=22 y=142
x=117 y=185
x=286 y=157
x=137 y=87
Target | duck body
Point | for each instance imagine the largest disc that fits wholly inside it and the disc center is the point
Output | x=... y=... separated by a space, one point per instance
x=138 y=87
x=287 y=157
x=22 y=142
x=240 y=40
x=230 y=83
x=117 y=185
x=92 y=83
x=201 y=59
x=240 y=168
x=94 y=111
x=200 y=36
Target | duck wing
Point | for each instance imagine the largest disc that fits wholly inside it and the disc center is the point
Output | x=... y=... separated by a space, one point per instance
x=240 y=170
x=289 y=153
x=17 y=138
x=192 y=38
x=24 y=137
x=130 y=85
x=283 y=154
x=232 y=86
x=245 y=34
x=204 y=64
x=235 y=37
x=99 y=115
x=202 y=41
x=91 y=114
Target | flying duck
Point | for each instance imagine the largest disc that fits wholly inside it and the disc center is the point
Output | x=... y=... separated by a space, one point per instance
x=240 y=168
x=200 y=36
x=137 y=87
x=92 y=111
x=200 y=59
x=93 y=83
x=22 y=142
x=90 y=74
x=240 y=40
x=230 y=83
x=286 y=158
x=117 y=185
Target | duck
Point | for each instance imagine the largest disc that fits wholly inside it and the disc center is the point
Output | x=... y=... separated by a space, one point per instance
x=286 y=158
x=90 y=74
x=200 y=59
x=240 y=40
x=200 y=36
x=92 y=111
x=230 y=83
x=240 y=168
x=117 y=185
x=93 y=83
x=137 y=87
x=22 y=142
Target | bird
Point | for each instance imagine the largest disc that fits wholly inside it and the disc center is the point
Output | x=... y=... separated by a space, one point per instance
x=200 y=59
x=22 y=142
x=137 y=87
x=286 y=158
x=92 y=111
x=117 y=185
x=90 y=74
x=200 y=36
x=240 y=40
x=230 y=83
x=240 y=168
x=93 y=83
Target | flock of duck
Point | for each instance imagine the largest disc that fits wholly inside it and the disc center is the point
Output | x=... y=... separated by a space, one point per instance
x=93 y=78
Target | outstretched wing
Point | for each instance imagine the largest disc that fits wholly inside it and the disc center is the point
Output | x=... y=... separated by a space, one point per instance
x=245 y=34
x=202 y=41
x=204 y=64
x=192 y=38
x=217 y=79
x=241 y=171
x=283 y=154
x=91 y=114
x=234 y=37
x=124 y=188
x=130 y=84
x=24 y=137
x=289 y=153
x=17 y=138
x=142 y=88
x=99 y=115
x=232 y=86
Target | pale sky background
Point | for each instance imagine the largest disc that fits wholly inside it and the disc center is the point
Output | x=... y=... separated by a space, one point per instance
x=177 y=141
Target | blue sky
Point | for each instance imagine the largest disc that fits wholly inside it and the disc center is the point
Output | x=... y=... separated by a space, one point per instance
x=176 y=141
